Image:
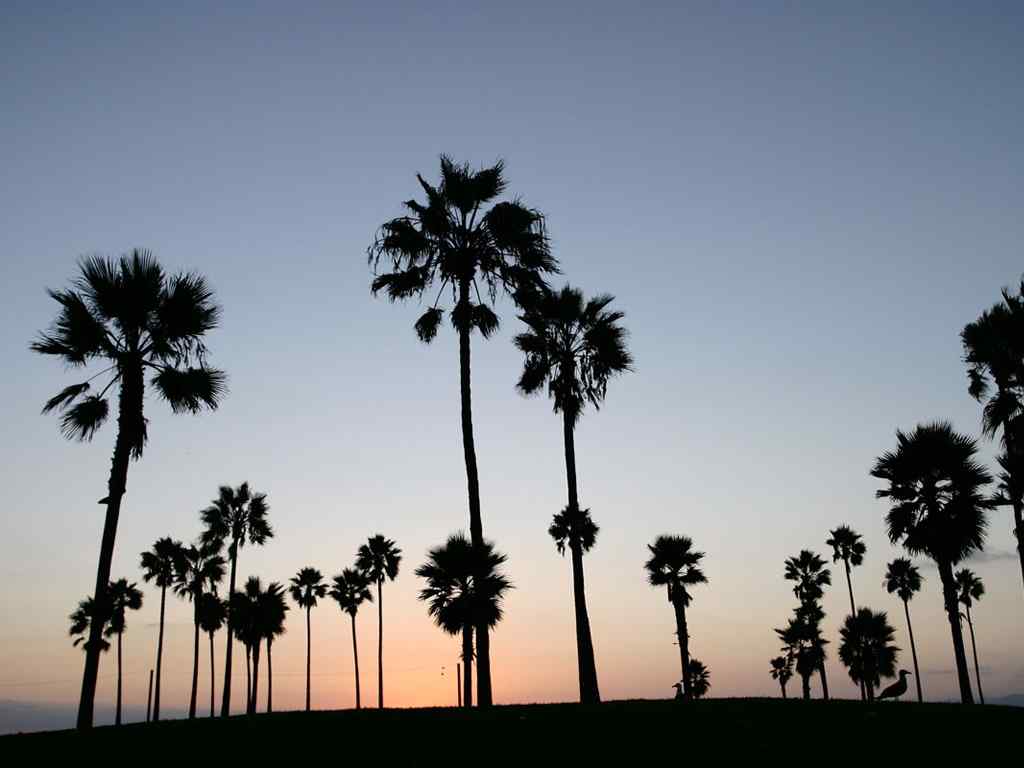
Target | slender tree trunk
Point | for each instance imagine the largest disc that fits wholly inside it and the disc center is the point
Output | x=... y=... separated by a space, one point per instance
x=1018 y=511
x=949 y=596
x=870 y=691
x=248 y=677
x=853 y=612
x=225 y=704
x=270 y=676
x=255 y=677
x=380 y=643
x=212 y=681
x=355 y=659
x=149 y=697
x=782 y=685
x=117 y=717
x=974 y=651
x=128 y=420
x=159 y=655
x=458 y=684
x=684 y=644
x=824 y=680
x=476 y=528
x=913 y=652
x=195 y=662
x=309 y=650
x=806 y=683
x=586 y=665
x=467 y=662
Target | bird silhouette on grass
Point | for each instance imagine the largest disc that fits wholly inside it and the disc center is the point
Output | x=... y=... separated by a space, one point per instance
x=895 y=690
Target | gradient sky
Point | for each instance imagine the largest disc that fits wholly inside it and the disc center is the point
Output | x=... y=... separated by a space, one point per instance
x=798 y=206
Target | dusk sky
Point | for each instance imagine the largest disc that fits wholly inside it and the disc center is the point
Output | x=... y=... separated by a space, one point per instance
x=797 y=205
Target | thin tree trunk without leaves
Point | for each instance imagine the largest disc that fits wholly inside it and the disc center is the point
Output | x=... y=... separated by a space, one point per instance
x=1018 y=512
x=225 y=704
x=853 y=612
x=195 y=662
x=824 y=681
x=684 y=643
x=380 y=644
x=270 y=675
x=159 y=656
x=974 y=651
x=355 y=659
x=913 y=652
x=248 y=677
x=255 y=678
x=806 y=683
x=949 y=596
x=782 y=685
x=467 y=663
x=309 y=648
x=117 y=717
x=586 y=665
x=476 y=528
x=212 y=681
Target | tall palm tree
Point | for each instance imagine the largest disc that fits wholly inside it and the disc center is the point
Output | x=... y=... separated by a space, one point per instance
x=938 y=508
x=782 y=670
x=675 y=565
x=272 y=608
x=994 y=352
x=848 y=546
x=236 y=516
x=123 y=597
x=129 y=317
x=867 y=650
x=970 y=589
x=160 y=566
x=461 y=240
x=350 y=589
x=378 y=559
x=200 y=570
x=307 y=587
x=573 y=347
x=811 y=576
x=904 y=580
x=213 y=614
x=464 y=589
x=700 y=678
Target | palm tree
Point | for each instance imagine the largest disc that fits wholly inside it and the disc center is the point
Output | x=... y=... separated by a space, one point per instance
x=128 y=316
x=378 y=559
x=271 y=609
x=811 y=576
x=903 y=579
x=675 y=565
x=994 y=353
x=456 y=242
x=200 y=569
x=867 y=650
x=160 y=566
x=574 y=347
x=464 y=589
x=970 y=589
x=700 y=679
x=782 y=670
x=213 y=614
x=307 y=588
x=938 y=508
x=848 y=546
x=350 y=589
x=242 y=623
x=81 y=622
x=802 y=642
x=237 y=515
x=123 y=597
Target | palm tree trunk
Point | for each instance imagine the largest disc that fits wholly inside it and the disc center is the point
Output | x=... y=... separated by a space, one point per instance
x=270 y=675
x=1018 y=511
x=309 y=649
x=913 y=652
x=248 y=677
x=782 y=685
x=476 y=527
x=586 y=665
x=853 y=612
x=225 y=704
x=355 y=659
x=159 y=655
x=212 y=681
x=684 y=644
x=974 y=651
x=870 y=691
x=949 y=596
x=806 y=683
x=128 y=419
x=467 y=663
x=824 y=680
x=117 y=717
x=255 y=677
x=380 y=643
x=195 y=662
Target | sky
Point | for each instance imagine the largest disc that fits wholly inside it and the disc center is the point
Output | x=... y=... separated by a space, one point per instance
x=797 y=205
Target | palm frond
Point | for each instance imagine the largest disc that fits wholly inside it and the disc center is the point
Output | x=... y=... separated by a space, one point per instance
x=191 y=389
x=83 y=419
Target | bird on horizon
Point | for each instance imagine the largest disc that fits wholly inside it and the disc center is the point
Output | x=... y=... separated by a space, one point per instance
x=679 y=691
x=895 y=690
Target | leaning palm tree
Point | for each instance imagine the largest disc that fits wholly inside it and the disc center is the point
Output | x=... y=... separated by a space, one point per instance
x=700 y=679
x=350 y=589
x=307 y=587
x=675 y=565
x=782 y=670
x=271 y=608
x=200 y=570
x=573 y=347
x=461 y=240
x=903 y=579
x=811 y=576
x=213 y=614
x=938 y=508
x=971 y=589
x=129 y=317
x=378 y=560
x=123 y=597
x=867 y=650
x=236 y=516
x=464 y=589
x=160 y=565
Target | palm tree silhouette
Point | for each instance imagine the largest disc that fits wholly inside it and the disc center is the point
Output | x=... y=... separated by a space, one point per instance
x=213 y=614
x=848 y=546
x=123 y=597
x=350 y=589
x=971 y=589
x=811 y=576
x=271 y=609
x=307 y=587
x=129 y=316
x=378 y=559
x=866 y=648
x=200 y=569
x=675 y=565
x=903 y=579
x=938 y=508
x=242 y=618
x=81 y=621
x=465 y=588
x=802 y=641
x=574 y=347
x=455 y=242
x=782 y=670
x=237 y=515
x=700 y=678
x=160 y=565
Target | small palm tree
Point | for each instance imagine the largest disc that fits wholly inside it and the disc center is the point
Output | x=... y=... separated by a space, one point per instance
x=464 y=589
x=782 y=670
x=123 y=597
x=811 y=576
x=200 y=570
x=378 y=559
x=937 y=508
x=903 y=579
x=242 y=618
x=867 y=650
x=970 y=589
x=81 y=621
x=236 y=516
x=307 y=588
x=272 y=609
x=350 y=589
x=700 y=679
x=160 y=565
x=675 y=565
x=461 y=240
x=802 y=641
x=213 y=614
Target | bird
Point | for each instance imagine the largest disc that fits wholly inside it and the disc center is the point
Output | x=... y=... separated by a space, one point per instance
x=895 y=690
x=679 y=691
